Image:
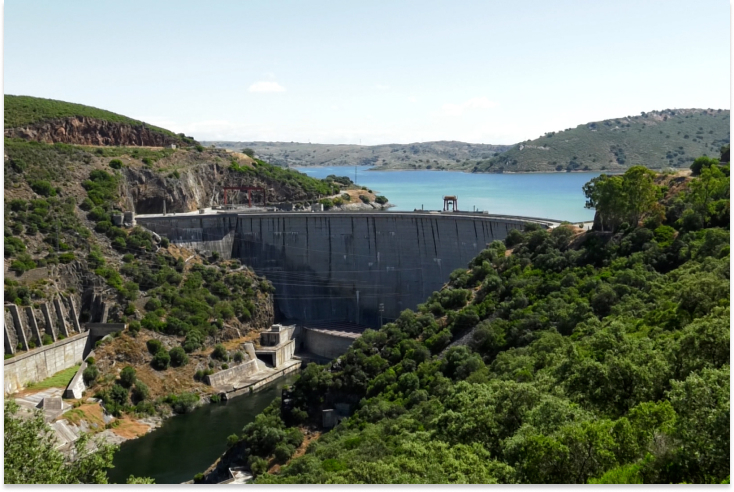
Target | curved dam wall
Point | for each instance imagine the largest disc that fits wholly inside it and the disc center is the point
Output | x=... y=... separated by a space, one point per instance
x=343 y=266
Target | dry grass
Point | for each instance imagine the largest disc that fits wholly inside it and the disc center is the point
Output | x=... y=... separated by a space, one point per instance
x=130 y=429
x=90 y=412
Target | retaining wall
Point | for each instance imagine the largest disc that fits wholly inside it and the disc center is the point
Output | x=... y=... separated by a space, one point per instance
x=325 y=344
x=233 y=374
x=43 y=362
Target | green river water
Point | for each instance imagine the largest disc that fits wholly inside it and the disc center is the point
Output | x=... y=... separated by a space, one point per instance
x=187 y=444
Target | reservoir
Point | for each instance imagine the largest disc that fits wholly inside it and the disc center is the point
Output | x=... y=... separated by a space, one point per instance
x=188 y=444
x=547 y=195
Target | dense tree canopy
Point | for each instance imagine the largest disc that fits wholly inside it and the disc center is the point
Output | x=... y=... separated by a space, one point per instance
x=599 y=358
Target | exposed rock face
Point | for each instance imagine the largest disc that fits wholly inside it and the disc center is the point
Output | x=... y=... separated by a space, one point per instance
x=198 y=187
x=90 y=131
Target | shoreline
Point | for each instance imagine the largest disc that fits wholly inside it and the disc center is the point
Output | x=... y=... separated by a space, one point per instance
x=298 y=168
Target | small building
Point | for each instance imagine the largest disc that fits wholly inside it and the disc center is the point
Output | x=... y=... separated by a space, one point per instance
x=172 y=146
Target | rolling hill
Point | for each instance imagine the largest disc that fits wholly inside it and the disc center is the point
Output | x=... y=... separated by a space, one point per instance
x=658 y=140
x=443 y=155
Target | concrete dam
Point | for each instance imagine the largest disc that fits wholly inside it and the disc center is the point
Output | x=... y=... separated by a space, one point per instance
x=338 y=266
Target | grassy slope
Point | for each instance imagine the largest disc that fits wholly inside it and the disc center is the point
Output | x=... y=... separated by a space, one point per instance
x=26 y=110
x=660 y=139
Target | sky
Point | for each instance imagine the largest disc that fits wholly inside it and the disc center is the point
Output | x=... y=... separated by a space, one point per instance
x=494 y=72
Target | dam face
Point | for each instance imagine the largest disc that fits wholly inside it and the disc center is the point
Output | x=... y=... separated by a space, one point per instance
x=342 y=266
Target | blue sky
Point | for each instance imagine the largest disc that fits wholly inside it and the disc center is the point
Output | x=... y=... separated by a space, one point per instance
x=376 y=72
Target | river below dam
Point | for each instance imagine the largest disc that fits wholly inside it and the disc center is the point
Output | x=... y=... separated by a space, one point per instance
x=546 y=195
x=188 y=444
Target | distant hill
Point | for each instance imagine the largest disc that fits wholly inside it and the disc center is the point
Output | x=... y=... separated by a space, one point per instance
x=50 y=121
x=447 y=155
x=658 y=140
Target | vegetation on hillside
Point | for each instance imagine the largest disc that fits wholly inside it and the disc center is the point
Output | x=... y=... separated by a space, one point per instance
x=425 y=155
x=265 y=170
x=21 y=111
x=31 y=456
x=600 y=358
x=657 y=140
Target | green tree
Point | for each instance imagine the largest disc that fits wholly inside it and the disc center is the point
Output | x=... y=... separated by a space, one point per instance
x=604 y=193
x=31 y=456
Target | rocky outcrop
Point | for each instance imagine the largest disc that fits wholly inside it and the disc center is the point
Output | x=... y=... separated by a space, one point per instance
x=90 y=131
x=199 y=186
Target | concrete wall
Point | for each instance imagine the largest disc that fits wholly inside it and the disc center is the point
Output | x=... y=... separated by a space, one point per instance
x=233 y=374
x=342 y=266
x=43 y=362
x=325 y=344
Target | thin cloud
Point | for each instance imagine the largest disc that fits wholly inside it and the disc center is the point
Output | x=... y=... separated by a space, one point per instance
x=472 y=104
x=265 y=86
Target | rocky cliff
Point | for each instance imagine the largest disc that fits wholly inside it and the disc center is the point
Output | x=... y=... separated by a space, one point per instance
x=82 y=130
x=200 y=186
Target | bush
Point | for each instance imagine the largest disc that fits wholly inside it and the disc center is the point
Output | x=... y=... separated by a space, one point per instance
x=90 y=375
x=119 y=394
x=164 y=242
x=183 y=403
x=161 y=360
x=238 y=357
x=66 y=257
x=127 y=376
x=178 y=357
x=43 y=187
x=232 y=440
x=154 y=346
x=116 y=164
x=364 y=198
x=382 y=200
x=327 y=203
x=140 y=392
x=220 y=353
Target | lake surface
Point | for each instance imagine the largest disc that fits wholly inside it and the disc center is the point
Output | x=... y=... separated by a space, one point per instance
x=188 y=444
x=546 y=195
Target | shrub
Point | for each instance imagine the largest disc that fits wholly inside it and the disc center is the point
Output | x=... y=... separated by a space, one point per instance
x=327 y=203
x=338 y=202
x=140 y=392
x=161 y=360
x=178 y=357
x=46 y=339
x=164 y=242
x=119 y=394
x=127 y=376
x=116 y=164
x=66 y=257
x=154 y=346
x=90 y=375
x=183 y=403
x=43 y=187
x=232 y=440
x=238 y=357
x=382 y=200
x=364 y=198
x=220 y=352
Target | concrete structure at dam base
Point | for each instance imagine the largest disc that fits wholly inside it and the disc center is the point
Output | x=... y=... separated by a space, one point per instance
x=343 y=266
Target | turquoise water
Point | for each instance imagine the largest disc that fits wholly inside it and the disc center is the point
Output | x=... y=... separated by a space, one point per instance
x=551 y=196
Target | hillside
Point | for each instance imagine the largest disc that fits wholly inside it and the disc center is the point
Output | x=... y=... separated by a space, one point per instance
x=556 y=356
x=188 y=313
x=657 y=140
x=444 y=155
x=50 y=121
